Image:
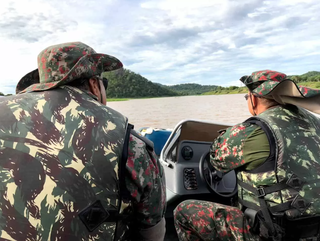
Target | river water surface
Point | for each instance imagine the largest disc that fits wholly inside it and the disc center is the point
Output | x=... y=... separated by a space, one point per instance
x=167 y=112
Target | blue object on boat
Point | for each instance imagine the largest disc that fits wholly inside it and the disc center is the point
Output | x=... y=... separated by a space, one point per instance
x=159 y=137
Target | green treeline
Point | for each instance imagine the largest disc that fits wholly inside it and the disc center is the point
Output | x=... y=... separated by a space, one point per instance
x=191 y=89
x=127 y=84
x=227 y=90
x=2 y=94
x=312 y=76
x=310 y=79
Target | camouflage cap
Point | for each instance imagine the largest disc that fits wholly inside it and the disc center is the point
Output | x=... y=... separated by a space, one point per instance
x=264 y=82
x=27 y=80
x=63 y=63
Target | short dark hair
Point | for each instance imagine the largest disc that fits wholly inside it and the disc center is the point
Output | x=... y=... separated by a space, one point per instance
x=82 y=84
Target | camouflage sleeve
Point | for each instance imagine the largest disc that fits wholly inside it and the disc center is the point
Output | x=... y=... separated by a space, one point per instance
x=226 y=152
x=145 y=181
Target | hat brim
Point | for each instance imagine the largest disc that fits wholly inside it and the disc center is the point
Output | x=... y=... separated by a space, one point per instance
x=286 y=87
x=86 y=67
x=28 y=80
x=288 y=92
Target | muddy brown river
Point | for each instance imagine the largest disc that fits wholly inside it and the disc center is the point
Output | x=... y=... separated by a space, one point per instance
x=167 y=112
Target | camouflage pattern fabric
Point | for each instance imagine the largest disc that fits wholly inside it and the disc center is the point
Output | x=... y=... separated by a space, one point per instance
x=201 y=220
x=297 y=133
x=226 y=153
x=146 y=183
x=27 y=80
x=298 y=136
x=263 y=82
x=59 y=152
x=63 y=63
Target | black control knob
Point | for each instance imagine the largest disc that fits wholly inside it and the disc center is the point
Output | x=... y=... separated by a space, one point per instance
x=187 y=152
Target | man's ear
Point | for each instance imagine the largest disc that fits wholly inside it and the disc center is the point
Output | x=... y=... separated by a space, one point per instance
x=254 y=100
x=94 y=87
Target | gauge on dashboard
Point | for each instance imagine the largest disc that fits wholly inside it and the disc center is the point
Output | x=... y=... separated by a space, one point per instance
x=187 y=152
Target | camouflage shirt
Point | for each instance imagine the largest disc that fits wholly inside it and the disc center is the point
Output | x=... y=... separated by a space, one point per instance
x=59 y=152
x=146 y=183
x=228 y=150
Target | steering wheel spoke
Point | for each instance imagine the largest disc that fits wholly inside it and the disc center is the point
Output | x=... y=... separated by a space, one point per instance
x=212 y=177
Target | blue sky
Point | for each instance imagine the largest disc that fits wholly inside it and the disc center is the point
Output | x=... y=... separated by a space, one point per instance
x=167 y=41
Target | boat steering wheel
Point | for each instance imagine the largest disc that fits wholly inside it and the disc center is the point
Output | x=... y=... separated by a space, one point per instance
x=212 y=177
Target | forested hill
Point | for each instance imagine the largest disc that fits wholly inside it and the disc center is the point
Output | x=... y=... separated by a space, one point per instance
x=310 y=79
x=127 y=84
x=311 y=76
x=192 y=89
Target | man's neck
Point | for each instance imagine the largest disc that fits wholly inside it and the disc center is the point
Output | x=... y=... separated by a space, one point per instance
x=263 y=108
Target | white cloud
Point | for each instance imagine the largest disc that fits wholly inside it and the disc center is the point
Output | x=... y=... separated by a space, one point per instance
x=167 y=41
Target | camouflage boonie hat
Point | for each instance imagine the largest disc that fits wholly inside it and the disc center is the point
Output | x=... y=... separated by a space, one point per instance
x=266 y=82
x=63 y=63
x=27 y=80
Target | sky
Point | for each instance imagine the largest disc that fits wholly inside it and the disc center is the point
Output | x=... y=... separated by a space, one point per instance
x=209 y=42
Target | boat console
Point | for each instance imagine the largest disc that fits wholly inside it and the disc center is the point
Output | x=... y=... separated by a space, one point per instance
x=189 y=142
x=185 y=158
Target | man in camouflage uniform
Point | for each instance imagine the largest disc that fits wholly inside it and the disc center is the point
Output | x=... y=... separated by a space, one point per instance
x=277 y=177
x=65 y=171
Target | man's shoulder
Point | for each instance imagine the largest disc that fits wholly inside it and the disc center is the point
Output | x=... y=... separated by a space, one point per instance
x=86 y=102
x=227 y=150
x=241 y=130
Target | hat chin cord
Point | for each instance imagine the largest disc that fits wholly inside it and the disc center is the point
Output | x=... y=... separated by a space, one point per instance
x=100 y=92
x=101 y=101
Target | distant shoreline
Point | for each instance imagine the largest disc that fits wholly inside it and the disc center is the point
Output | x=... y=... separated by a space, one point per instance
x=244 y=90
x=226 y=91
x=117 y=99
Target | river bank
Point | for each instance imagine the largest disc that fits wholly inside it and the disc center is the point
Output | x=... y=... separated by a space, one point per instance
x=117 y=99
x=224 y=91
